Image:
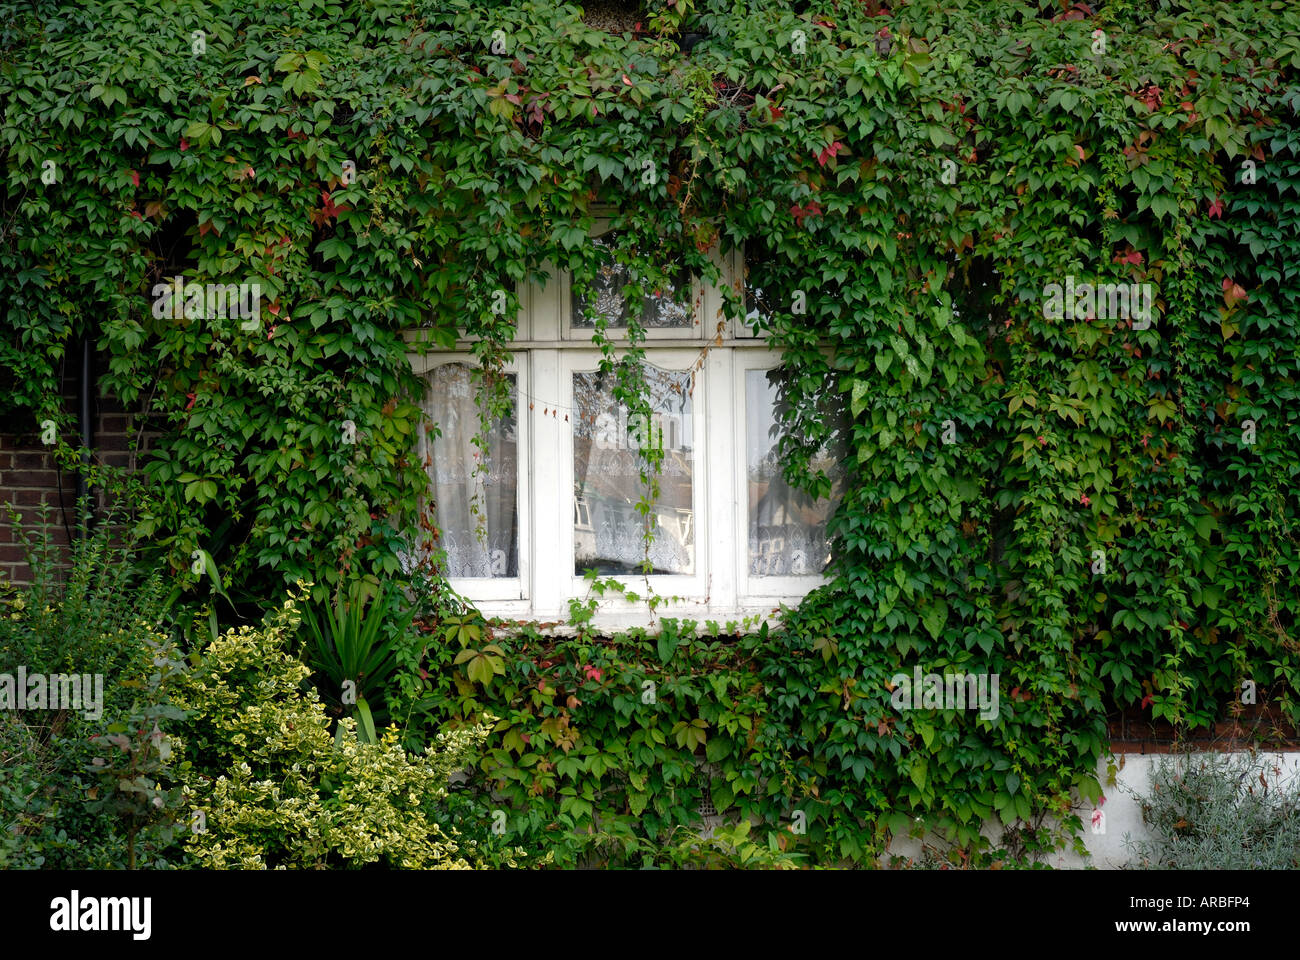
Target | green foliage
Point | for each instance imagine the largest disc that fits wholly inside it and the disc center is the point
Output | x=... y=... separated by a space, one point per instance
x=607 y=749
x=134 y=763
x=79 y=791
x=922 y=176
x=235 y=734
x=1220 y=812
x=721 y=848
x=28 y=812
x=352 y=643
x=275 y=789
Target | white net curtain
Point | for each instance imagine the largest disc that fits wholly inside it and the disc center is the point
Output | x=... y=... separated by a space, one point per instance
x=669 y=308
x=477 y=510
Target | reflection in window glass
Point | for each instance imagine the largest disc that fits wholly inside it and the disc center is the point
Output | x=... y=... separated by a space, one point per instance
x=787 y=528
x=477 y=511
x=759 y=305
x=659 y=308
x=607 y=465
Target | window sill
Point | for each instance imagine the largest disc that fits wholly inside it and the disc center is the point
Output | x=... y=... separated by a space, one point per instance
x=615 y=614
x=734 y=622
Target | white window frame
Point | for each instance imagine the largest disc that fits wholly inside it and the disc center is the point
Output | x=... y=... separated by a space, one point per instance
x=504 y=595
x=547 y=351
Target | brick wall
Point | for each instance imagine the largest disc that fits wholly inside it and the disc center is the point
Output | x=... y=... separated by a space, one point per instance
x=30 y=480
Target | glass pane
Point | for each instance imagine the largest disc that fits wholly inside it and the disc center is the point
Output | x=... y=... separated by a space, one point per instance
x=758 y=304
x=477 y=509
x=659 y=308
x=607 y=529
x=787 y=528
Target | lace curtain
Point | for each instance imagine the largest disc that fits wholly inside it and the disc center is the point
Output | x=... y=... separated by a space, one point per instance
x=477 y=511
x=662 y=308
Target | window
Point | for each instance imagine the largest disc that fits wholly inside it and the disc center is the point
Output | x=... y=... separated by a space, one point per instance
x=786 y=528
x=661 y=310
x=601 y=460
x=555 y=492
x=608 y=475
x=480 y=495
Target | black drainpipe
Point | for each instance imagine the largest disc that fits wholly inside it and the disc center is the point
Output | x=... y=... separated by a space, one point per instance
x=86 y=391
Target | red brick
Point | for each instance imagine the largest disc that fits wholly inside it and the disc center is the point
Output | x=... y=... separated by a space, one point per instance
x=27 y=478
x=31 y=497
x=31 y=460
x=12 y=554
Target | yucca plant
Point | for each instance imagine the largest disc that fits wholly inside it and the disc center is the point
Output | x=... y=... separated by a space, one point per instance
x=352 y=644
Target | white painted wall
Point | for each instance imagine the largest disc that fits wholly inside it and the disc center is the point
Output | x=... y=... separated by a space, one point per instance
x=1123 y=815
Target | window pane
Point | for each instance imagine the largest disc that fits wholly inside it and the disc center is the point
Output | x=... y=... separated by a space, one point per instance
x=787 y=528
x=477 y=510
x=659 y=308
x=607 y=465
x=758 y=304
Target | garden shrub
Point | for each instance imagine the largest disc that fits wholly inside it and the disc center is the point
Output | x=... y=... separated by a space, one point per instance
x=354 y=645
x=1233 y=811
x=98 y=615
x=232 y=731
x=28 y=814
x=269 y=785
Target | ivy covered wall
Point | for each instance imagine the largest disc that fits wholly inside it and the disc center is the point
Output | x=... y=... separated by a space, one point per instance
x=1093 y=497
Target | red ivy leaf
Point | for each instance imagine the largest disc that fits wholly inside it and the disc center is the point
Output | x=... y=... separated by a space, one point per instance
x=798 y=212
x=829 y=152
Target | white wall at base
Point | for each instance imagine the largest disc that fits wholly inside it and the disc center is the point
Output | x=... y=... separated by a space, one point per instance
x=1123 y=815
